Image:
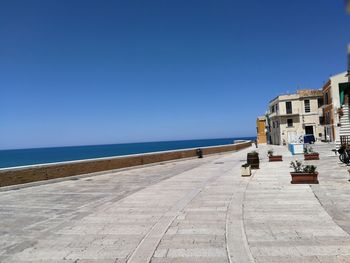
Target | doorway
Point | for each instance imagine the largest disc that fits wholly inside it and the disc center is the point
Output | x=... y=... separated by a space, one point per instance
x=309 y=130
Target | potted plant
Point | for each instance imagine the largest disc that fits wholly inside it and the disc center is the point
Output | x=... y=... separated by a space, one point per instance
x=253 y=159
x=303 y=174
x=274 y=158
x=310 y=154
x=340 y=112
x=246 y=170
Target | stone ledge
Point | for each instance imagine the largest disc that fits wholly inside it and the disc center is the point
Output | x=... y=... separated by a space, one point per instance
x=34 y=173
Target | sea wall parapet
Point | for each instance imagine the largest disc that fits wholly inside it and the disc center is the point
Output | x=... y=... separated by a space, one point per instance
x=34 y=173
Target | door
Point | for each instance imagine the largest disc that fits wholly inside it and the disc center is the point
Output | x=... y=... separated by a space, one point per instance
x=309 y=130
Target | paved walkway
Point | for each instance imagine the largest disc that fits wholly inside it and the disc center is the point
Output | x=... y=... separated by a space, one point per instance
x=196 y=210
x=287 y=223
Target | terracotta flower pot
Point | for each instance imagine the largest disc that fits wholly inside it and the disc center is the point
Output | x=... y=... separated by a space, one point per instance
x=275 y=158
x=304 y=178
x=311 y=156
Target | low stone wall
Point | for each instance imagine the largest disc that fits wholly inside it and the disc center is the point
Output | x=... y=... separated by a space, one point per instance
x=33 y=173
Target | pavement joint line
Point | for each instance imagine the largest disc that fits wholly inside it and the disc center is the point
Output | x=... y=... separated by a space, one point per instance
x=245 y=239
x=229 y=249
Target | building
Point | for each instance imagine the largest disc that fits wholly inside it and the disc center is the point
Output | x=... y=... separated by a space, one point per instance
x=328 y=113
x=292 y=116
x=336 y=93
x=261 y=130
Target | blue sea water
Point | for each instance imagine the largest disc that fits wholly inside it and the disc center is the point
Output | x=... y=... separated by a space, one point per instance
x=20 y=157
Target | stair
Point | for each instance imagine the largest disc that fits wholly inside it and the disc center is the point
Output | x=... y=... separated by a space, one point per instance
x=344 y=123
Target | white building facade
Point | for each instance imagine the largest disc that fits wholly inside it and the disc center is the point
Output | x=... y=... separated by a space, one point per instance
x=335 y=92
x=295 y=115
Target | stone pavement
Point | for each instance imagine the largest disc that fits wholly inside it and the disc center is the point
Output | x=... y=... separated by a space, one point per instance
x=287 y=223
x=195 y=210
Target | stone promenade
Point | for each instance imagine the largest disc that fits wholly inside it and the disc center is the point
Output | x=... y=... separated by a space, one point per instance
x=194 y=210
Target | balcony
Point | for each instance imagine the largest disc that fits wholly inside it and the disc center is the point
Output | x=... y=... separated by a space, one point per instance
x=294 y=112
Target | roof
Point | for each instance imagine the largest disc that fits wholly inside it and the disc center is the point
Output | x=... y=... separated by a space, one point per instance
x=299 y=94
x=309 y=92
x=283 y=97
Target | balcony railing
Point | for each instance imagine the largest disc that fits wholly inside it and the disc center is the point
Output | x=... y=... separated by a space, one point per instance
x=279 y=113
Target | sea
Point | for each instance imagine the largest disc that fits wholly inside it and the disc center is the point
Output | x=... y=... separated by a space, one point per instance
x=22 y=157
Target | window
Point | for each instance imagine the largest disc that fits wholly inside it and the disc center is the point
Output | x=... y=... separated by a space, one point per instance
x=289 y=107
x=326 y=98
x=321 y=120
x=328 y=118
x=289 y=122
x=320 y=102
x=274 y=108
x=307 y=106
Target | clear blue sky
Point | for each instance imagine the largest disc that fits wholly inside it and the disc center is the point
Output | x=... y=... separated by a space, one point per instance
x=99 y=72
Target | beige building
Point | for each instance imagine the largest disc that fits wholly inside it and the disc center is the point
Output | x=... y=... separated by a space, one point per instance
x=336 y=94
x=294 y=115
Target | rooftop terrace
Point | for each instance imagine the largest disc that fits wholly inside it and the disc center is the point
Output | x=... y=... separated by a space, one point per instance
x=193 y=210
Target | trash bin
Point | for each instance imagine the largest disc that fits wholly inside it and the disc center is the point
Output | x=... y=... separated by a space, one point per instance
x=253 y=160
x=199 y=153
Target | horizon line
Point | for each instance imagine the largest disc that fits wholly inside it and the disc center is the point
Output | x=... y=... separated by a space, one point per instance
x=106 y=144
